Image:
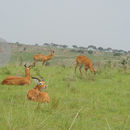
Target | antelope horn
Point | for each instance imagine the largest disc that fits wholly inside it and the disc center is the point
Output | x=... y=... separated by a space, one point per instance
x=30 y=66
x=25 y=65
x=36 y=78
x=42 y=78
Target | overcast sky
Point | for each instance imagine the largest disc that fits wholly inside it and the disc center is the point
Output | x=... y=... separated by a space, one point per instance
x=103 y=23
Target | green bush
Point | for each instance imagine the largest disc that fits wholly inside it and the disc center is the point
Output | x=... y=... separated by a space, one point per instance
x=117 y=54
x=90 y=52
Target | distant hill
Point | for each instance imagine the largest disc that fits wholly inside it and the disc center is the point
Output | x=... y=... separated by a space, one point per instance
x=2 y=40
x=5 y=52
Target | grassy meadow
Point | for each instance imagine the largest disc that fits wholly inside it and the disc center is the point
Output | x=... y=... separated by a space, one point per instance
x=78 y=102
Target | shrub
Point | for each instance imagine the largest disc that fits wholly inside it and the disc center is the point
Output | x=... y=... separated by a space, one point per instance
x=117 y=54
x=90 y=52
x=80 y=51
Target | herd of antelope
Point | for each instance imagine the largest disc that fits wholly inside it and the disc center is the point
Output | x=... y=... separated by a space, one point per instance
x=35 y=94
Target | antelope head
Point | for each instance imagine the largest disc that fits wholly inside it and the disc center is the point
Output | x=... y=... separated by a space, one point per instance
x=52 y=53
x=40 y=83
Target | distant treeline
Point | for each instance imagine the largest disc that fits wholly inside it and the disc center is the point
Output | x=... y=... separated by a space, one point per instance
x=90 y=48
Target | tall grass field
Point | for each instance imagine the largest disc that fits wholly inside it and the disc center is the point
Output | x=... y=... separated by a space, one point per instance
x=78 y=102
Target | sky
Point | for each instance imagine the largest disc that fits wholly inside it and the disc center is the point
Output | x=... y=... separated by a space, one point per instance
x=104 y=23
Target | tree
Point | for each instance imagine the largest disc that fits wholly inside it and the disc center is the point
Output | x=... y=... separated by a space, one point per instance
x=36 y=44
x=82 y=48
x=74 y=46
x=121 y=51
x=100 y=48
x=90 y=52
x=115 y=50
x=80 y=51
x=93 y=47
x=46 y=44
x=54 y=45
x=64 y=46
x=108 y=49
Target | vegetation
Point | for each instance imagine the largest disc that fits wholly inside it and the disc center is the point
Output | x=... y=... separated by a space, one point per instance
x=116 y=54
x=77 y=102
x=90 y=52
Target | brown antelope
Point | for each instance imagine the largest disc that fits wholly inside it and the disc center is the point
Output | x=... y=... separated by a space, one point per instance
x=16 y=80
x=83 y=60
x=42 y=58
x=35 y=94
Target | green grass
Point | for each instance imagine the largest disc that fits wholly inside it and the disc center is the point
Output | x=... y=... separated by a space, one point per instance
x=104 y=100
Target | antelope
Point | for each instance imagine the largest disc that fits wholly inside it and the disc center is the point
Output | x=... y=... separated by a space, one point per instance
x=16 y=80
x=42 y=58
x=83 y=60
x=35 y=94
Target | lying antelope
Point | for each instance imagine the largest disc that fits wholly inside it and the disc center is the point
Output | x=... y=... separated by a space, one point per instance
x=42 y=58
x=35 y=94
x=83 y=60
x=16 y=80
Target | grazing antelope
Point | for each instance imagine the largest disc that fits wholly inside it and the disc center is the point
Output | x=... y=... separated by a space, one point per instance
x=35 y=94
x=83 y=60
x=42 y=58
x=16 y=80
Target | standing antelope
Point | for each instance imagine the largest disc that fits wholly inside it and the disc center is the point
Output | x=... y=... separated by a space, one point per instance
x=42 y=58
x=83 y=60
x=15 y=80
x=35 y=94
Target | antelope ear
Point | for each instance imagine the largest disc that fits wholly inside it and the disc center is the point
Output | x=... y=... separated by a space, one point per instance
x=30 y=66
